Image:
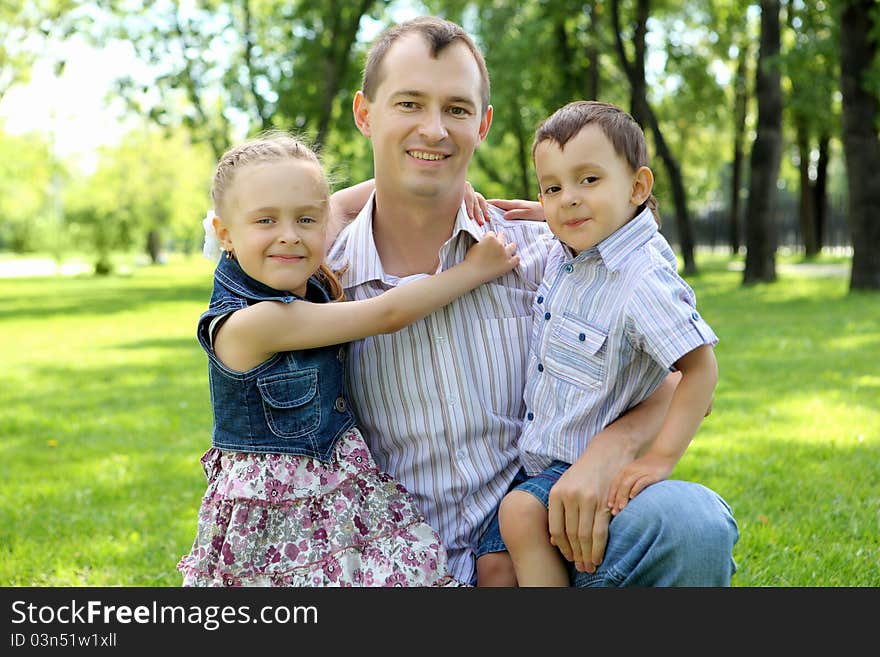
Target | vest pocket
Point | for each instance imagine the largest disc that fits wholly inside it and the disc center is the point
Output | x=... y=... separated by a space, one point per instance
x=291 y=402
x=576 y=352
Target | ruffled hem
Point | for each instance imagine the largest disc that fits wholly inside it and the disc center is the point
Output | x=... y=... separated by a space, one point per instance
x=284 y=520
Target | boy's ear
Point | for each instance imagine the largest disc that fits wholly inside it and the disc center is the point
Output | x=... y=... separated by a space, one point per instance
x=361 y=110
x=541 y=199
x=642 y=186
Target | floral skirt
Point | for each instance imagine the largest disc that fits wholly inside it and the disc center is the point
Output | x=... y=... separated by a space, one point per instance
x=288 y=520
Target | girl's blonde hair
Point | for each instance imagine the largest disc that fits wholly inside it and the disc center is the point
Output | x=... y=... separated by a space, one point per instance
x=272 y=146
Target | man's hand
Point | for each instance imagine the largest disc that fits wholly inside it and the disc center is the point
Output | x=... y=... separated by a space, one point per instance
x=520 y=209
x=475 y=205
x=579 y=516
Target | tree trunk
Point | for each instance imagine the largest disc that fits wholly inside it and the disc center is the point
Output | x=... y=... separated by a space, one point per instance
x=820 y=190
x=345 y=29
x=860 y=141
x=154 y=246
x=806 y=209
x=644 y=114
x=592 y=75
x=740 y=106
x=766 y=155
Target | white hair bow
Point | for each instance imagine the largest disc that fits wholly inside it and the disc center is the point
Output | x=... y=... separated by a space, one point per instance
x=211 y=250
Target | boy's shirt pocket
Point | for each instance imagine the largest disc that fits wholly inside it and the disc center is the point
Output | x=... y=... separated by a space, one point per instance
x=576 y=352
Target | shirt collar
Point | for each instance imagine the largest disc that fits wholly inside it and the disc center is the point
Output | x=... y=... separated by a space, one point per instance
x=617 y=247
x=230 y=275
x=360 y=250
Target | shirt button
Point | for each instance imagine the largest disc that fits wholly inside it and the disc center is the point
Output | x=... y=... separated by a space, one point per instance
x=568 y=268
x=582 y=337
x=451 y=401
x=340 y=404
x=530 y=416
x=695 y=315
x=540 y=367
x=546 y=315
x=460 y=454
x=341 y=355
x=540 y=299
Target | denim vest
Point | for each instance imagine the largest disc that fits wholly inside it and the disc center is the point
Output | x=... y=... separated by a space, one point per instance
x=292 y=403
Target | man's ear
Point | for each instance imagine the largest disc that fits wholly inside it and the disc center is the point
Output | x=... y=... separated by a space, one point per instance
x=486 y=123
x=361 y=110
x=642 y=186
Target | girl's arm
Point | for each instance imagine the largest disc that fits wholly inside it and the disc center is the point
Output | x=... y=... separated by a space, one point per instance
x=253 y=334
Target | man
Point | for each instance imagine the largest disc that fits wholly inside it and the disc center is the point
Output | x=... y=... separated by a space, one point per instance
x=440 y=402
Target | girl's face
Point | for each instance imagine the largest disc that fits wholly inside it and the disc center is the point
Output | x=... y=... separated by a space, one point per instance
x=275 y=222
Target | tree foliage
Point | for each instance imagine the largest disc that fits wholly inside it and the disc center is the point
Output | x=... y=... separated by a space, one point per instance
x=219 y=70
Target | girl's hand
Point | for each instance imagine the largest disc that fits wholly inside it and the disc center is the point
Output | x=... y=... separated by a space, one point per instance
x=520 y=209
x=492 y=256
x=475 y=205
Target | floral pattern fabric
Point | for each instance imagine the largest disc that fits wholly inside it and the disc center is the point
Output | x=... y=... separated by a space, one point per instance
x=288 y=520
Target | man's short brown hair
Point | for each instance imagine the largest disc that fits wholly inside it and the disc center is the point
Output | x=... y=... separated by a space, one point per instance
x=439 y=33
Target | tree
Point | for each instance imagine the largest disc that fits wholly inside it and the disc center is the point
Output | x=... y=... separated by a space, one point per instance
x=766 y=154
x=644 y=114
x=153 y=184
x=810 y=65
x=859 y=30
x=27 y=221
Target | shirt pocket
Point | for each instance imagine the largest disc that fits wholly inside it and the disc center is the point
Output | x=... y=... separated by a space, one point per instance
x=291 y=402
x=576 y=352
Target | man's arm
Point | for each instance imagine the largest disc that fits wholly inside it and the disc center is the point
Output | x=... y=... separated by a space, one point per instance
x=345 y=204
x=579 y=514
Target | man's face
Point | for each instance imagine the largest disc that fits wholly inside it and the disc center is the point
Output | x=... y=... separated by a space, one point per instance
x=426 y=119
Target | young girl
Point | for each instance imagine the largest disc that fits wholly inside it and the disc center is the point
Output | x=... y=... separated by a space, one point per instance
x=294 y=497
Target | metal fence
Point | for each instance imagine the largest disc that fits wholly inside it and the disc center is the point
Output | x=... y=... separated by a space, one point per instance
x=711 y=228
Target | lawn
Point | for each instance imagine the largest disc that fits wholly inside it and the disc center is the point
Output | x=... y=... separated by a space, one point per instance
x=105 y=414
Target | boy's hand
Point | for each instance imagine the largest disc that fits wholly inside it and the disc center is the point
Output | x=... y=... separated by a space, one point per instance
x=492 y=256
x=635 y=477
x=520 y=209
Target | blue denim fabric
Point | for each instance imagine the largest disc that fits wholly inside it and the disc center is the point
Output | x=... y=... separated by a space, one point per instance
x=673 y=533
x=292 y=403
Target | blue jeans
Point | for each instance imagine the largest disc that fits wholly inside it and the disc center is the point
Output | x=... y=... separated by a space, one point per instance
x=673 y=533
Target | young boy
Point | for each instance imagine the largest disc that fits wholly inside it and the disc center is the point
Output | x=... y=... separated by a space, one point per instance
x=612 y=317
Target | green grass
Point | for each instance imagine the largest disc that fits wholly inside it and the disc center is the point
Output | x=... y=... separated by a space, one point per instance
x=105 y=413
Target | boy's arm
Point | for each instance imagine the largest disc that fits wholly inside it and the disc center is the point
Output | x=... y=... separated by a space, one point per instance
x=690 y=403
x=578 y=510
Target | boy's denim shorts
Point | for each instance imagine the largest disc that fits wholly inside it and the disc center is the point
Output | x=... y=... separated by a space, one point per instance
x=539 y=486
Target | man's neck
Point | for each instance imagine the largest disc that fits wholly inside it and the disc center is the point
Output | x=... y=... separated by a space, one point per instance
x=409 y=232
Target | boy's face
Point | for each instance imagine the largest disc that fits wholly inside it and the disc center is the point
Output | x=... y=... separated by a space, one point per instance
x=588 y=191
x=426 y=118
